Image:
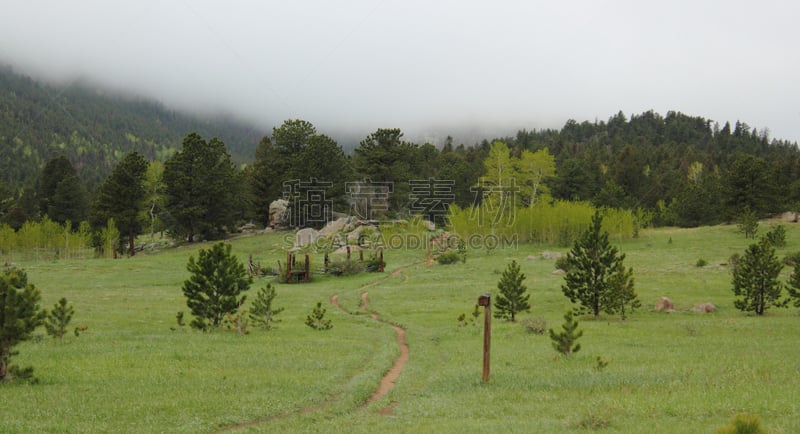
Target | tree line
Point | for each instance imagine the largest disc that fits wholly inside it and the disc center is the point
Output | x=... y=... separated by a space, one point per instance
x=673 y=170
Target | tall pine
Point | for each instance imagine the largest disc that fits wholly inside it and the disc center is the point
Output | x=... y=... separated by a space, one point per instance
x=755 y=280
x=512 y=297
x=597 y=278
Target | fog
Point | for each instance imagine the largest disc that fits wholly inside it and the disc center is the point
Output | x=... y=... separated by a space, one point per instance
x=465 y=68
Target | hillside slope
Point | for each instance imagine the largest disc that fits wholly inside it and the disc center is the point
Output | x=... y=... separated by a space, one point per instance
x=94 y=129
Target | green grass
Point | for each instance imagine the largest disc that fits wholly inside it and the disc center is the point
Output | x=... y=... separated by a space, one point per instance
x=672 y=373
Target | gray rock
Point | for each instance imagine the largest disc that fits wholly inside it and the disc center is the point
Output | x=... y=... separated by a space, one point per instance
x=305 y=237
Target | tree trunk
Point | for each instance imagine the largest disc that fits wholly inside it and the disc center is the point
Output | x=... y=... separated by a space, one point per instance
x=131 y=239
x=3 y=364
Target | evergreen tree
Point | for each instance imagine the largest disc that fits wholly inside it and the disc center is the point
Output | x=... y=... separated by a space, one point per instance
x=596 y=272
x=69 y=202
x=262 y=313
x=748 y=223
x=755 y=279
x=512 y=298
x=58 y=319
x=201 y=189
x=794 y=284
x=623 y=294
x=55 y=171
x=316 y=320
x=565 y=341
x=121 y=198
x=213 y=289
x=19 y=313
x=385 y=157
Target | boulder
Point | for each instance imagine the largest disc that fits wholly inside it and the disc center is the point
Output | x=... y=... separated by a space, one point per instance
x=704 y=308
x=334 y=227
x=305 y=237
x=552 y=255
x=664 y=305
x=559 y=272
x=249 y=227
x=277 y=213
x=355 y=234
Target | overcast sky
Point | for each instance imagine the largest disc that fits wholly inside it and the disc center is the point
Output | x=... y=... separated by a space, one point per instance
x=427 y=67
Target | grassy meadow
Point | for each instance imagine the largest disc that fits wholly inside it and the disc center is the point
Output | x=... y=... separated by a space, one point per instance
x=134 y=370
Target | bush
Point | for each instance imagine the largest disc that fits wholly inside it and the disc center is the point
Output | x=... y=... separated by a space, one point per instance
x=373 y=265
x=701 y=263
x=345 y=267
x=777 y=236
x=743 y=424
x=792 y=259
x=562 y=263
x=535 y=325
x=448 y=257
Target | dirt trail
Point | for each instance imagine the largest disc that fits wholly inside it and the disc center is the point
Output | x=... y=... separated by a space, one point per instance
x=388 y=380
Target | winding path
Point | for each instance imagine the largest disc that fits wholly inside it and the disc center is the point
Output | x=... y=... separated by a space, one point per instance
x=387 y=382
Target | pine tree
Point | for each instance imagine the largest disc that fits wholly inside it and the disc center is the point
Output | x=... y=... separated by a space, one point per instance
x=794 y=285
x=217 y=280
x=120 y=197
x=755 y=280
x=623 y=294
x=58 y=319
x=564 y=342
x=201 y=188
x=262 y=313
x=19 y=314
x=596 y=272
x=317 y=319
x=512 y=298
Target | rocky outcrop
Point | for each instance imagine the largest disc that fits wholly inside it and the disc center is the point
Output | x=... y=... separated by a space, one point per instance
x=305 y=237
x=277 y=213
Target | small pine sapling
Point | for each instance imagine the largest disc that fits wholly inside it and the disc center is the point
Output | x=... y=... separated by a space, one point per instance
x=261 y=312
x=58 y=319
x=564 y=342
x=317 y=319
x=794 y=285
x=512 y=297
x=601 y=364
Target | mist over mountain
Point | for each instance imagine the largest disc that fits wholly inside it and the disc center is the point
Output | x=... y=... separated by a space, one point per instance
x=95 y=127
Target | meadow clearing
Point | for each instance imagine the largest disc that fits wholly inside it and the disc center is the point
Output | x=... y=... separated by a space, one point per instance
x=135 y=370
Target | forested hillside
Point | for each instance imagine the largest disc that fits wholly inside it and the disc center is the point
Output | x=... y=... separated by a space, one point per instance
x=58 y=145
x=94 y=130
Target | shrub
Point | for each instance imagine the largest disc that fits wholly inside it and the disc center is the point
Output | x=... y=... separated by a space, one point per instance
x=373 y=265
x=601 y=364
x=535 y=325
x=463 y=321
x=777 y=236
x=562 y=263
x=743 y=424
x=701 y=263
x=448 y=257
x=792 y=259
x=345 y=267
